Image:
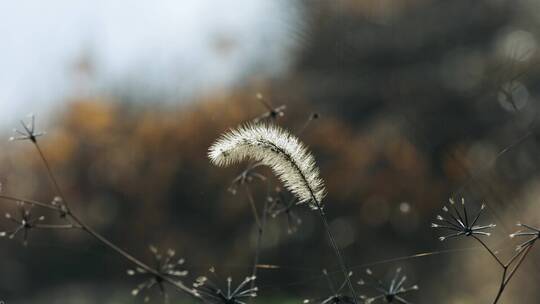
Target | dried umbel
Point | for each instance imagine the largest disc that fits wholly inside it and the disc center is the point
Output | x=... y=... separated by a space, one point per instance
x=460 y=223
x=336 y=297
x=530 y=232
x=276 y=148
x=29 y=130
x=24 y=223
x=279 y=205
x=212 y=293
x=388 y=293
x=165 y=271
x=166 y=266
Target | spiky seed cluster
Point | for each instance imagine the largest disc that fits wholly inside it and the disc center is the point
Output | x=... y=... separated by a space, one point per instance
x=58 y=203
x=166 y=266
x=333 y=299
x=460 y=223
x=213 y=294
x=247 y=176
x=28 y=132
x=336 y=297
x=24 y=223
x=389 y=293
x=279 y=206
x=276 y=148
x=273 y=113
x=530 y=232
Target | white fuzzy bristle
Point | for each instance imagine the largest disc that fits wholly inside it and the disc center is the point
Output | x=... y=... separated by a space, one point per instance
x=277 y=149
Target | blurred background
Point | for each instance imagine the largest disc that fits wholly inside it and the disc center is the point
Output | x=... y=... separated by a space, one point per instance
x=417 y=101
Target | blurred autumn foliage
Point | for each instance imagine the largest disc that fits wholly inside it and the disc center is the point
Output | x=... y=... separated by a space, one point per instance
x=401 y=129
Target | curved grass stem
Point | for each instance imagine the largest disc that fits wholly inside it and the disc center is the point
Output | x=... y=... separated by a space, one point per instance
x=337 y=252
x=261 y=223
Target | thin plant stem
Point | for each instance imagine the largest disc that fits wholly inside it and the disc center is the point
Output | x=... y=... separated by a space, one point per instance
x=322 y=214
x=341 y=261
x=28 y=202
x=49 y=172
x=495 y=257
x=260 y=231
x=253 y=208
x=507 y=271
x=513 y=258
x=502 y=286
x=131 y=258
x=47 y=226
x=80 y=224
x=513 y=271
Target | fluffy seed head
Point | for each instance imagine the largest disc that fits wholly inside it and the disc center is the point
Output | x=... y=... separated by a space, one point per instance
x=277 y=149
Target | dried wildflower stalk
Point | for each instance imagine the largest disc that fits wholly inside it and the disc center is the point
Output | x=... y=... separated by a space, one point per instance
x=389 y=293
x=61 y=207
x=461 y=225
x=280 y=205
x=272 y=113
x=25 y=222
x=288 y=158
x=212 y=293
x=166 y=265
x=271 y=204
x=243 y=180
x=336 y=296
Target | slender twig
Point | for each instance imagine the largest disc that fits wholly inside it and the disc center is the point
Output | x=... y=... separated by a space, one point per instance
x=260 y=230
x=259 y=239
x=341 y=261
x=49 y=173
x=502 y=286
x=253 y=208
x=513 y=271
x=516 y=255
x=65 y=210
x=28 y=202
x=322 y=214
x=49 y=226
x=495 y=257
x=131 y=258
x=508 y=272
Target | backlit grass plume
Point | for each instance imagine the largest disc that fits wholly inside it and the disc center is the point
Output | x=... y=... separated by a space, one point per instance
x=278 y=149
x=290 y=160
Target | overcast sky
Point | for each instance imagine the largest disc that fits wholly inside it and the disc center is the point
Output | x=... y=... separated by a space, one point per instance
x=179 y=48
